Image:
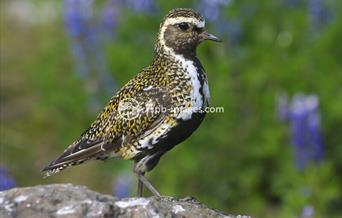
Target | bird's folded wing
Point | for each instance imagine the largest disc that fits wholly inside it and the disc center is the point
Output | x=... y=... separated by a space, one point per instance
x=122 y=123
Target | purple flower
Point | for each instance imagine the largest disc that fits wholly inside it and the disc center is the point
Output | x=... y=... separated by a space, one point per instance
x=308 y=212
x=305 y=122
x=319 y=14
x=77 y=16
x=141 y=5
x=211 y=9
x=298 y=122
x=6 y=180
x=314 y=128
x=87 y=45
x=77 y=13
x=306 y=130
x=110 y=15
x=122 y=185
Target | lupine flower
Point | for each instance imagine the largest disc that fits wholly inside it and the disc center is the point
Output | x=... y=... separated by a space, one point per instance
x=304 y=117
x=76 y=15
x=212 y=11
x=141 y=5
x=319 y=14
x=110 y=15
x=6 y=180
x=314 y=128
x=87 y=38
x=308 y=212
x=122 y=185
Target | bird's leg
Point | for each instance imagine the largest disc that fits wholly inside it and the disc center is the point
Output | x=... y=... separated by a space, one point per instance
x=140 y=184
x=142 y=179
x=140 y=187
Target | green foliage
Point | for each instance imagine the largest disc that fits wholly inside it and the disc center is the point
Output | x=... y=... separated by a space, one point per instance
x=240 y=161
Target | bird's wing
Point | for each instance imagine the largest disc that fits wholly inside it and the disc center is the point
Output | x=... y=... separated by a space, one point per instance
x=122 y=123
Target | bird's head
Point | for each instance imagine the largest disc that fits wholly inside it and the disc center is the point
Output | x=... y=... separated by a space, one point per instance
x=182 y=30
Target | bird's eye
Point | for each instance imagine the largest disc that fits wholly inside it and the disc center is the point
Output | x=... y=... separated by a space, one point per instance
x=183 y=26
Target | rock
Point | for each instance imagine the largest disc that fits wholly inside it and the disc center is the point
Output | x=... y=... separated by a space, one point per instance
x=71 y=201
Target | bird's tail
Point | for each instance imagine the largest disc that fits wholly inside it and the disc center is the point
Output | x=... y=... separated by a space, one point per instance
x=75 y=154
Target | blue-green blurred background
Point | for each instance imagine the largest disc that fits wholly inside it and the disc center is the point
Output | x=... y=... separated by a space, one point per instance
x=276 y=151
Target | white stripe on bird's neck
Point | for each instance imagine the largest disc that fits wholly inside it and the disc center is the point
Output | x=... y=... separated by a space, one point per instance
x=188 y=66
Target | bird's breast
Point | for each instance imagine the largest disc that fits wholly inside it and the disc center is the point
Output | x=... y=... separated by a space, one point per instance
x=194 y=86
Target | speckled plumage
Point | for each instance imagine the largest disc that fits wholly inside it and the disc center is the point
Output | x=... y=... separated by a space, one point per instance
x=174 y=81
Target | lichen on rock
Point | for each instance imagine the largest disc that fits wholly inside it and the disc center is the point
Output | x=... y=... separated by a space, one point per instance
x=71 y=201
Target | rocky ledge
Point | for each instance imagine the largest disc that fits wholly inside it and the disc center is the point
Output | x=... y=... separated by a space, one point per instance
x=71 y=201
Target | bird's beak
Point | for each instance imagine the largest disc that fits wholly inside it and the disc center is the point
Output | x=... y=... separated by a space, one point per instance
x=208 y=36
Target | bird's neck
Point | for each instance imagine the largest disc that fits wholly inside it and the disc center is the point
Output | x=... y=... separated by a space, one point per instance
x=163 y=52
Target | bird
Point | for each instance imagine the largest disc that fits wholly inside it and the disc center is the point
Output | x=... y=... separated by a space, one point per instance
x=157 y=109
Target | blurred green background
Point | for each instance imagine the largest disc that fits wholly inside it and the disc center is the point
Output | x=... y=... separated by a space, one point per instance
x=62 y=60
